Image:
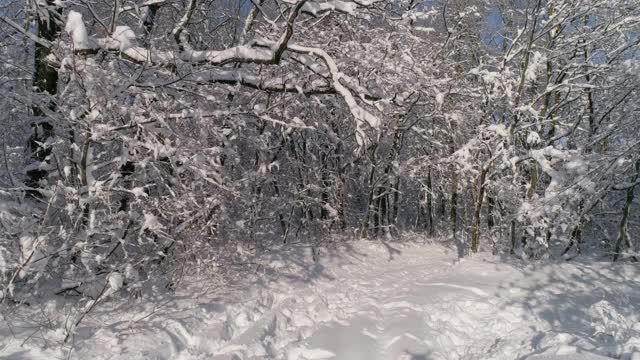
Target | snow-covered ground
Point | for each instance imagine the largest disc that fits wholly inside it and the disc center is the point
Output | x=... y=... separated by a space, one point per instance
x=361 y=300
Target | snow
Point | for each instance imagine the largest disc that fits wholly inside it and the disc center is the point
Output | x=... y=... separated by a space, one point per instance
x=316 y=8
x=538 y=60
x=116 y=280
x=362 y=300
x=151 y=222
x=499 y=129
x=30 y=249
x=125 y=37
x=533 y=138
x=440 y=98
x=361 y=115
x=76 y=29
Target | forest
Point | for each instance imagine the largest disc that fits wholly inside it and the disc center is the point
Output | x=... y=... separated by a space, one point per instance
x=143 y=140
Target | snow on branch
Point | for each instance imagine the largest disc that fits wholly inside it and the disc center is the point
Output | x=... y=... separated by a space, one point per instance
x=288 y=84
x=258 y=52
x=277 y=84
x=180 y=26
x=145 y=4
x=252 y=53
x=361 y=115
x=316 y=8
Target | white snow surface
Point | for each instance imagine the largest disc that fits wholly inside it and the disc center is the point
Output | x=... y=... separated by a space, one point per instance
x=364 y=300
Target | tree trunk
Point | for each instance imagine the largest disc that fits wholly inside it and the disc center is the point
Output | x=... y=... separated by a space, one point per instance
x=396 y=202
x=430 y=203
x=513 y=236
x=491 y=206
x=475 y=239
x=623 y=230
x=45 y=81
x=454 y=205
x=364 y=230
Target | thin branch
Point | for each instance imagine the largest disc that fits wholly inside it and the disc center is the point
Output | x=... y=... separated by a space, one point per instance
x=34 y=38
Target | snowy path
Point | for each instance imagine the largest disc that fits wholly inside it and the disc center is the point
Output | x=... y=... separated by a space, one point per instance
x=377 y=302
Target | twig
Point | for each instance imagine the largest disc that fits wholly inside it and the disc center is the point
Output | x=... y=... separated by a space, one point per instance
x=6 y=162
x=17 y=27
x=84 y=313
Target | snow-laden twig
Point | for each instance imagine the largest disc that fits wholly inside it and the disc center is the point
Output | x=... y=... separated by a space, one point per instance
x=237 y=54
x=361 y=115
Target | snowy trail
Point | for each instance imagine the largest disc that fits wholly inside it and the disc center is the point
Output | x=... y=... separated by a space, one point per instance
x=374 y=302
x=414 y=312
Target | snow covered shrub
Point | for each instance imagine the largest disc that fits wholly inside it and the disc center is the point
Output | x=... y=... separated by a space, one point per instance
x=551 y=218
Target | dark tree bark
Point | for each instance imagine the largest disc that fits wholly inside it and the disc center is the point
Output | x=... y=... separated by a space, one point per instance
x=475 y=240
x=430 y=202
x=45 y=81
x=491 y=206
x=623 y=240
